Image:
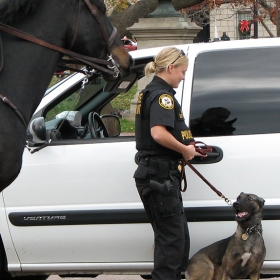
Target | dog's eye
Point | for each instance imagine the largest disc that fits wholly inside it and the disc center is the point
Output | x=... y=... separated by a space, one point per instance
x=249 y=198
x=238 y=198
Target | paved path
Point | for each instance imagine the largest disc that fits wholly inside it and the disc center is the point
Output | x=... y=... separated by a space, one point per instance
x=113 y=277
x=101 y=277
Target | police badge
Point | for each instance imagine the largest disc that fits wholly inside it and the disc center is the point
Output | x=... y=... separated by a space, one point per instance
x=166 y=101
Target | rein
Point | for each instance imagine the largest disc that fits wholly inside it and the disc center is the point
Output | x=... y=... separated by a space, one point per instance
x=1 y=55
x=109 y=41
x=95 y=63
x=87 y=60
x=8 y=102
x=112 y=67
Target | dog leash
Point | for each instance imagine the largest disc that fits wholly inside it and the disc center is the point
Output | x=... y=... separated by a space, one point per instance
x=203 y=151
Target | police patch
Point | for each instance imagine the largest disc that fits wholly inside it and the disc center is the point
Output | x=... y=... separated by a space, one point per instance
x=166 y=101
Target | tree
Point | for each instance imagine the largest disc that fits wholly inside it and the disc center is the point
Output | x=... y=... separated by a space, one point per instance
x=262 y=10
x=127 y=12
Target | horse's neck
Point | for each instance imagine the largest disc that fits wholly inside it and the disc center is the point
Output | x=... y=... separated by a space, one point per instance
x=28 y=68
x=26 y=74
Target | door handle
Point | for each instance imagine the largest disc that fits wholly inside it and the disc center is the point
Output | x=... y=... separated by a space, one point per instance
x=215 y=156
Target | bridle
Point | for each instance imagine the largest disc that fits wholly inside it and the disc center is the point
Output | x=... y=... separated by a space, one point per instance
x=108 y=66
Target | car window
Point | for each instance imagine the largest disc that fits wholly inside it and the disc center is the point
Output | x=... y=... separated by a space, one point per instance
x=78 y=104
x=126 y=42
x=76 y=99
x=236 y=92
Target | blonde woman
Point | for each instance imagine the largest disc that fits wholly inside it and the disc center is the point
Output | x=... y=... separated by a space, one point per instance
x=162 y=139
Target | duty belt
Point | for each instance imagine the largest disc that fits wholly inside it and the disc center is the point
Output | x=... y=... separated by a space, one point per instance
x=157 y=162
x=163 y=165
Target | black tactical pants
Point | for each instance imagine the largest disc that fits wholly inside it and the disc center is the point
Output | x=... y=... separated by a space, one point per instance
x=170 y=227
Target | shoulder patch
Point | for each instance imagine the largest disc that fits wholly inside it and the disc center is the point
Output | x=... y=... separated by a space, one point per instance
x=166 y=101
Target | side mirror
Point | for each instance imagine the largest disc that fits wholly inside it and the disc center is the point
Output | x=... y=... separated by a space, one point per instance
x=112 y=124
x=36 y=132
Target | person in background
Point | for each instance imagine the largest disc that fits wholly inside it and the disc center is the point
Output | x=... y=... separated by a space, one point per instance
x=225 y=37
x=162 y=141
x=134 y=41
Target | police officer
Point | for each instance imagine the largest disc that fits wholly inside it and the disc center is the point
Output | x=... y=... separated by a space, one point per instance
x=162 y=139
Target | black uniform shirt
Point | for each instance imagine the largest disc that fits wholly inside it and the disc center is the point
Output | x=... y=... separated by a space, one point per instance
x=161 y=101
x=157 y=106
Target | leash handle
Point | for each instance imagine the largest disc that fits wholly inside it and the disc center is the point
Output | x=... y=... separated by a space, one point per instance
x=203 y=150
x=183 y=176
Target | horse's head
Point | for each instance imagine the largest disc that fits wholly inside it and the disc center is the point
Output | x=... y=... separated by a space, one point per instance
x=93 y=35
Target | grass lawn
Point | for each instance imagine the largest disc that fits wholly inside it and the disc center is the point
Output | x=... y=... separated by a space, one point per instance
x=122 y=102
x=127 y=126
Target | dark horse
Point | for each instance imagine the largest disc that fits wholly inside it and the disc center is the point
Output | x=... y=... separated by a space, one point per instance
x=27 y=68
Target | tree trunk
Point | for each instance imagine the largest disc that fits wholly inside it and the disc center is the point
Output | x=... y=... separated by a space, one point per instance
x=277 y=19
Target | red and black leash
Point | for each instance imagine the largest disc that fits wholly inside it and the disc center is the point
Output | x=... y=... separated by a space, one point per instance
x=203 y=150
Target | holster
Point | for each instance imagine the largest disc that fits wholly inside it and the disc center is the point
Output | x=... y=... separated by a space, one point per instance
x=164 y=188
x=165 y=198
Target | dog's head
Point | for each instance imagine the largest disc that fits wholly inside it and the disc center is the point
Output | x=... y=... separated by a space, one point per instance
x=248 y=208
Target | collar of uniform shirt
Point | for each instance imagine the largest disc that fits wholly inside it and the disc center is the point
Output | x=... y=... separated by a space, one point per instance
x=164 y=84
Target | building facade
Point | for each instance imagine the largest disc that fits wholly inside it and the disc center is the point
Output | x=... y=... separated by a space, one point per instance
x=237 y=23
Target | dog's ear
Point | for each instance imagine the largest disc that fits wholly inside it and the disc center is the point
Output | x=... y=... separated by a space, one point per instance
x=239 y=197
x=261 y=202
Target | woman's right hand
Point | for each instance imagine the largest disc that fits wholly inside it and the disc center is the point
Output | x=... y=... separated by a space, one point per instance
x=189 y=153
x=162 y=136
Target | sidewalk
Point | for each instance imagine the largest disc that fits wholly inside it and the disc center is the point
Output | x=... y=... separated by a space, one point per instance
x=101 y=277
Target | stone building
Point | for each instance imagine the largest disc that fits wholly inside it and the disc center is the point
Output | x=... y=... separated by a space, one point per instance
x=237 y=23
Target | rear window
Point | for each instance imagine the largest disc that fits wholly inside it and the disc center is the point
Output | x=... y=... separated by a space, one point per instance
x=236 y=92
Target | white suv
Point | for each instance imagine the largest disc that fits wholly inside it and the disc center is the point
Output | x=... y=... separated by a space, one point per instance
x=74 y=209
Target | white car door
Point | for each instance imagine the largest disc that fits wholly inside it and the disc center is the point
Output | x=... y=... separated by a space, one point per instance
x=77 y=204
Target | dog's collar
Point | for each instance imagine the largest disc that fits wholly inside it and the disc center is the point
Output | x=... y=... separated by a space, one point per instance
x=253 y=229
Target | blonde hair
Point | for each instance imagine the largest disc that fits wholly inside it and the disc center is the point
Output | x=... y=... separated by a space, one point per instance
x=164 y=58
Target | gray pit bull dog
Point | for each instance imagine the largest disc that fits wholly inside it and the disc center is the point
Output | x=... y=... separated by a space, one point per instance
x=238 y=256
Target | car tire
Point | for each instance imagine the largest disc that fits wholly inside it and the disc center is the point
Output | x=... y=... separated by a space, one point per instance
x=146 y=276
